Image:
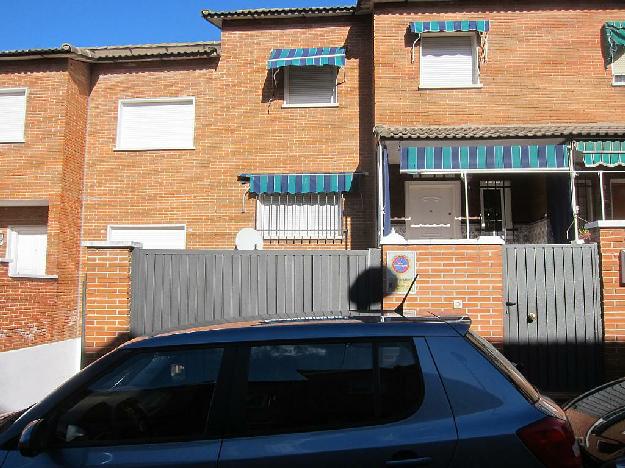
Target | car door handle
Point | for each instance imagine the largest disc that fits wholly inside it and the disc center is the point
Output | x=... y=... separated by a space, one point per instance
x=410 y=462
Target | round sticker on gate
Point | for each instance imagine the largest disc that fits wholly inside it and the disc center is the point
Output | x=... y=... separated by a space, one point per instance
x=400 y=264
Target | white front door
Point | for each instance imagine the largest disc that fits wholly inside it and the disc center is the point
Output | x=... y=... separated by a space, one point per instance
x=432 y=210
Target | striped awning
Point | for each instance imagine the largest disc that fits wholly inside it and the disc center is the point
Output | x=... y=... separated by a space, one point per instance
x=614 y=40
x=314 y=56
x=602 y=153
x=481 y=26
x=301 y=183
x=484 y=158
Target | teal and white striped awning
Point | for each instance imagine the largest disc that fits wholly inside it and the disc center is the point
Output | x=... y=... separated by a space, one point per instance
x=480 y=26
x=301 y=183
x=314 y=56
x=602 y=153
x=484 y=158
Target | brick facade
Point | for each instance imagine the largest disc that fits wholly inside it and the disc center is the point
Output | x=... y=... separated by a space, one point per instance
x=611 y=242
x=540 y=69
x=48 y=166
x=470 y=273
x=107 y=299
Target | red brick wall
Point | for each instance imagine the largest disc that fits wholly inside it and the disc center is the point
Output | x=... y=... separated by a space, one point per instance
x=107 y=321
x=611 y=242
x=545 y=65
x=49 y=166
x=236 y=131
x=471 y=273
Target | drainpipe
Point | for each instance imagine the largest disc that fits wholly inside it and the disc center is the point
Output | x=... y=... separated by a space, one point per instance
x=602 y=192
x=380 y=196
x=466 y=203
x=573 y=191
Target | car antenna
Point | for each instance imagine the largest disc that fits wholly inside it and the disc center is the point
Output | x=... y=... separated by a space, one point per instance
x=400 y=308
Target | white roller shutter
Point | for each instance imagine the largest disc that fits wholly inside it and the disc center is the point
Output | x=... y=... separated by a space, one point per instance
x=12 y=115
x=27 y=250
x=618 y=70
x=448 y=61
x=310 y=86
x=156 y=124
x=152 y=237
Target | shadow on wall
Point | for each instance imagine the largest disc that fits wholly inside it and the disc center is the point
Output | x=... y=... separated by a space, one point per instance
x=367 y=291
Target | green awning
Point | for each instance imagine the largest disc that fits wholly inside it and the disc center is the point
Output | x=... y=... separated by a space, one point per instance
x=484 y=158
x=602 y=153
x=301 y=183
x=614 y=36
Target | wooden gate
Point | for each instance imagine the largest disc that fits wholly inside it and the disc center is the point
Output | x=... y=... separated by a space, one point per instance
x=553 y=327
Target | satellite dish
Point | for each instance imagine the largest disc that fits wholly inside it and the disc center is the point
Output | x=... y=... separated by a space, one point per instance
x=248 y=239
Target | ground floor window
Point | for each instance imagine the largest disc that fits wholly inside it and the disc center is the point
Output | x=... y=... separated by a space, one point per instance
x=27 y=248
x=303 y=216
x=495 y=206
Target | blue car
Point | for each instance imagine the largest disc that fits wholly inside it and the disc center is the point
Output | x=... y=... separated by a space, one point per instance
x=340 y=392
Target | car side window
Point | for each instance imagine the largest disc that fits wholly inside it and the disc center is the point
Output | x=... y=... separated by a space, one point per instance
x=152 y=396
x=310 y=386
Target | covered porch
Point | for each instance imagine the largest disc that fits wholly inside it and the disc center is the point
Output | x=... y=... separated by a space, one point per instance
x=513 y=185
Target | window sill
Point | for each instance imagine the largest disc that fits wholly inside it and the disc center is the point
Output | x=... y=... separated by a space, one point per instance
x=475 y=86
x=9 y=142
x=618 y=85
x=186 y=148
x=295 y=106
x=46 y=277
x=6 y=260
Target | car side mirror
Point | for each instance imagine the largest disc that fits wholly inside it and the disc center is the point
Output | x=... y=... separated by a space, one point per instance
x=32 y=438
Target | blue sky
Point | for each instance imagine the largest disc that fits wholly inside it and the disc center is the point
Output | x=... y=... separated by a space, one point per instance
x=49 y=23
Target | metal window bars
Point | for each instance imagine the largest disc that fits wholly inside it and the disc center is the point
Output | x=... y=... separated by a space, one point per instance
x=301 y=217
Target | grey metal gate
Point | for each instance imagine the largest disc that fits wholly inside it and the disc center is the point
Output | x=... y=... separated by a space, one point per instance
x=184 y=288
x=553 y=326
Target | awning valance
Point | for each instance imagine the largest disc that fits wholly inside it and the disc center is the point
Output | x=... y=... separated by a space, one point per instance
x=301 y=183
x=419 y=27
x=484 y=158
x=314 y=56
x=614 y=32
x=602 y=153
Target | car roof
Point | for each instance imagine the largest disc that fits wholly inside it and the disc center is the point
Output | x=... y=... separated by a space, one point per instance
x=296 y=328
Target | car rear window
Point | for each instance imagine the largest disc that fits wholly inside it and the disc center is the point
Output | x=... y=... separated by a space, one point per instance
x=508 y=369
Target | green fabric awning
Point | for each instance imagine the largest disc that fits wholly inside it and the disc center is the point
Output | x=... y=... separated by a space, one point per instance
x=614 y=36
x=602 y=153
x=484 y=158
x=301 y=183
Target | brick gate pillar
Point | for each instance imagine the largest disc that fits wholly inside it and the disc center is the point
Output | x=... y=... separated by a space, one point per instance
x=106 y=295
x=610 y=237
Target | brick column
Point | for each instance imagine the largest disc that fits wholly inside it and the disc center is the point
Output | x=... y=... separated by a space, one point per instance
x=469 y=272
x=107 y=297
x=610 y=237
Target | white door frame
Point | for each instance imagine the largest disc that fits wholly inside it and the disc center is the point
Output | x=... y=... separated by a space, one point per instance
x=456 y=199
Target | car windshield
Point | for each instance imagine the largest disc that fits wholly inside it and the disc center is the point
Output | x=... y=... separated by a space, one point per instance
x=508 y=369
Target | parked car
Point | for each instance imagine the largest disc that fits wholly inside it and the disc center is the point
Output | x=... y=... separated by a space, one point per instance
x=346 y=392
x=598 y=421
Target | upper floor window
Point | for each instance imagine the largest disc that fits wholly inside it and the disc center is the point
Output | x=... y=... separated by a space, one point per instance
x=310 y=86
x=449 y=61
x=12 y=115
x=154 y=124
x=618 y=71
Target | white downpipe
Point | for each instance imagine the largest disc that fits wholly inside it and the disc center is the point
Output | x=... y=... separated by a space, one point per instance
x=602 y=192
x=573 y=191
x=466 y=203
x=380 y=195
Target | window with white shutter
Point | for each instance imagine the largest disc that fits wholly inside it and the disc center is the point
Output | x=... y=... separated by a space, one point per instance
x=172 y=236
x=449 y=61
x=310 y=86
x=618 y=71
x=27 y=248
x=307 y=216
x=12 y=115
x=153 y=124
